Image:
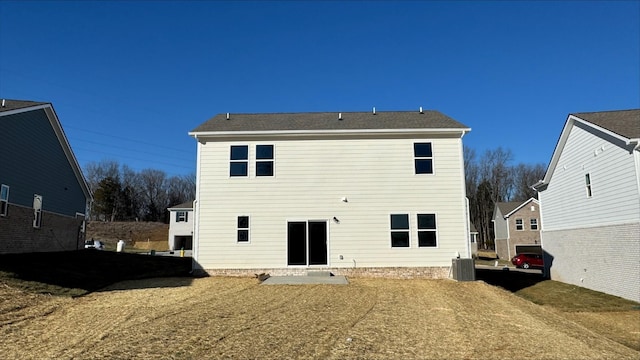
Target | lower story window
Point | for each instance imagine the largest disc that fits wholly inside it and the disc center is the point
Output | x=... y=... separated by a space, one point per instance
x=4 y=200
x=427 y=231
x=400 y=230
x=243 y=229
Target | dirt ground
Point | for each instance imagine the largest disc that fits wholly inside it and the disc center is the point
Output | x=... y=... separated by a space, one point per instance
x=141 y=235
x=186 y=318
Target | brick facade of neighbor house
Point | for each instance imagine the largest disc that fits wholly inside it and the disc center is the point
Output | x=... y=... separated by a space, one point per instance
x=57 y=232
x=509 y=237
x=612 y=275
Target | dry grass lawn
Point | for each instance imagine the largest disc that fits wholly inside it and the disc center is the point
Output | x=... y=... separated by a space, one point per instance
x=184 y=318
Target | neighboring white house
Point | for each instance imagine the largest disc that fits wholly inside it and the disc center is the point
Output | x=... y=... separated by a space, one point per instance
x=376 y=193
x=181 y=226
x=590 y=203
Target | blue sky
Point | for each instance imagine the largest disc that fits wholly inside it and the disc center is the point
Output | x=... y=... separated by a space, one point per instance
x=130 y=79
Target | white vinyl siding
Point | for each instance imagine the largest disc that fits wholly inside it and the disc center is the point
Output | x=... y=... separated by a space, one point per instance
x=376 y=175
x=500 y=225
x=179 y=228
x=615 y=197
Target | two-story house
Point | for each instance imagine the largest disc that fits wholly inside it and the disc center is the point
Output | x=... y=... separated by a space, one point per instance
x=516 y=226
x=590 y=198
x=44 y=197
x=181 y=226
x=354 y=193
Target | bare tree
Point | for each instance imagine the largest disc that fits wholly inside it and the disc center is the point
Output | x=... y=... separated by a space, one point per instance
x=181 y=189
x=524 y=176
x=494 y=168
x=154 y=194
x=471 y=171
x=95 y=172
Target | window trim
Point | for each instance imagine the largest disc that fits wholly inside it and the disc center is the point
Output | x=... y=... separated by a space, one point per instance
x=533 y=223
x=238 y=161
x=588 y=185
x=416 y=158
x=521 y=224
x=37 y=211
x=4 y=209
x=434 y=230
x=247 y=229
x=407 y=230
x=179 y=218
x=271 y=160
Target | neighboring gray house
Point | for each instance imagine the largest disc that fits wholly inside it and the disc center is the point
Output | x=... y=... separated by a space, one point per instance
x=473 y=239
x=516 y=226
x=590 y=198
x=181 y=226
x=43 y=194
x=379 y=194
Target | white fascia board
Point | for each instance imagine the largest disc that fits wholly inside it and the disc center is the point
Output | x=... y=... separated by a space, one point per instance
x=24 y=109
x=564 y=135
x=62 y=138
x=66 y=146
x=297 y=133
x=521 y=206
x=539 y=186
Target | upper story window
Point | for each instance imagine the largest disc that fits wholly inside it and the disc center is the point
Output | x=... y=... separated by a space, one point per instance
x=239 y=164
x=427 y=235
x=534 y=224
x=519 y=224
x=243 y=229
x=264 y=160
x=182 y=216
x=587 y=180
x=423 y=158
x=399 y=230
x=37 y=210
x=4 y=200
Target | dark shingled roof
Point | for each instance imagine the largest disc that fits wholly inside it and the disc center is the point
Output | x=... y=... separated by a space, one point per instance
x=622 y=122
x=18 y=104
x=429 y=119
x=185 y=205
x=507 y=207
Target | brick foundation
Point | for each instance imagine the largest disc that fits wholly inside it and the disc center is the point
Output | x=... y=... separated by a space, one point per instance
x=371 y=272
x=56 y=233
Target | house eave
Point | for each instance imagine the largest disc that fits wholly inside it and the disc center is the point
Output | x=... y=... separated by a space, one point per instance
x=315 y=133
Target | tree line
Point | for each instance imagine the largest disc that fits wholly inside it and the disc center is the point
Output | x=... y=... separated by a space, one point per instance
x=491 y=178
x=122 y=194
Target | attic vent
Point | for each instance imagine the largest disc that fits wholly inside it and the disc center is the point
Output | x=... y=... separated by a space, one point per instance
x=227 y=116
x=421 y=112
x=339 y=116
x=374 y=110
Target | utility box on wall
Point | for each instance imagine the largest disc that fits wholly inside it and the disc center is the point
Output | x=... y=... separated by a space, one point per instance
x=464 y=269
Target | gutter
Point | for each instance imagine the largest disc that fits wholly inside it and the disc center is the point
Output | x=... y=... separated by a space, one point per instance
x=298 y=133
x=635 y=142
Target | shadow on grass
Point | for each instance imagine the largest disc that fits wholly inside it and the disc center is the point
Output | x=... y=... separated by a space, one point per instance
x=75 y=273
x=510 y=280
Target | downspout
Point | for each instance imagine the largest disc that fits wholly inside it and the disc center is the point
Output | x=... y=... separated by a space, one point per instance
x=466 y=200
